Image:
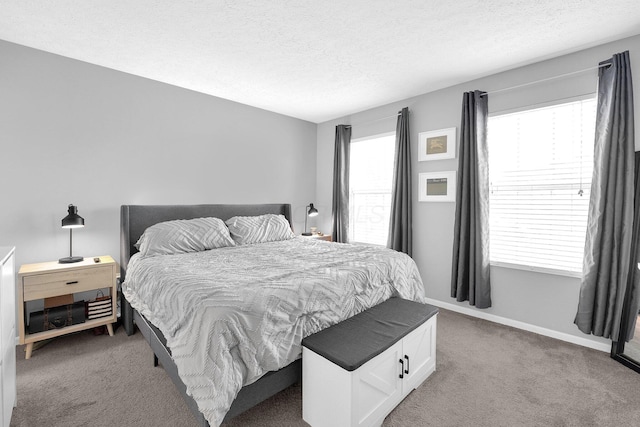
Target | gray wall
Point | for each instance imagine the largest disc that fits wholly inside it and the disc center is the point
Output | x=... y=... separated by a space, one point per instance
x=541 y=300
x=71 y=132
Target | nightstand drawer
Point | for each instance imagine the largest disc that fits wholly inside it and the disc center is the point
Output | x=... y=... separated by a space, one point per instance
x=66 y=282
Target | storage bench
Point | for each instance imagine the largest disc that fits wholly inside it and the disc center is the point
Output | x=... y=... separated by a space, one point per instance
x=354 y=373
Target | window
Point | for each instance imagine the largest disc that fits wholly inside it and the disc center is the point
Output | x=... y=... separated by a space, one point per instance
x=370 y=181
x=540 y=166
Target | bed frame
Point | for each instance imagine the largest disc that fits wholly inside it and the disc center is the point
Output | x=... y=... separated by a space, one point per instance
x=134 y=219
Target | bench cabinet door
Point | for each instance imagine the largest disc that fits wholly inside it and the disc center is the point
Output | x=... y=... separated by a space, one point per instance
x=378 y=387
x=419 y=353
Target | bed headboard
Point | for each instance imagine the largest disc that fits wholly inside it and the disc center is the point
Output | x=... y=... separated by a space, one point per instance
x=134 y=219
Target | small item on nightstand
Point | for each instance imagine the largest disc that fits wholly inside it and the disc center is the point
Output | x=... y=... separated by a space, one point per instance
x=96 y=259
x=99 y=307
x=58 y=301
x=56 y=317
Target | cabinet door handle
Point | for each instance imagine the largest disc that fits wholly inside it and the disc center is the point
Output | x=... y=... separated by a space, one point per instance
x=401 y=368
x=407 y=370
x=72 y=283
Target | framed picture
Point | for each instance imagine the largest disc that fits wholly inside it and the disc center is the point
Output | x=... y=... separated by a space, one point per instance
x=437 y=144
x=437 y=187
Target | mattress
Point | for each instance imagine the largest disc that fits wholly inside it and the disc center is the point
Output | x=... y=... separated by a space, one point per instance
x=232 y=314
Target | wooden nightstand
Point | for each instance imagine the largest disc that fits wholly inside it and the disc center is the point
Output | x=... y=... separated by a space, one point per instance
x=51 y=279
x=326 y=237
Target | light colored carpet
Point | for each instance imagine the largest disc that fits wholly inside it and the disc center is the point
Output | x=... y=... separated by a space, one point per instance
x=487 y=375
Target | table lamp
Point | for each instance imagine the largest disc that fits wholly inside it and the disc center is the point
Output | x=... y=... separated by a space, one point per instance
x=71 y=221
x=311 y=212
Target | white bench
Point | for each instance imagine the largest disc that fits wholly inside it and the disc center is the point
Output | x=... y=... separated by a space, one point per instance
x=356 y=372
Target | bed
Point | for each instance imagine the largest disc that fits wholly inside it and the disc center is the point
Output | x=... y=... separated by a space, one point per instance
x=245 y=354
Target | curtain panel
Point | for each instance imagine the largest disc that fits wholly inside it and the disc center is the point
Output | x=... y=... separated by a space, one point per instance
x=340 y=202
x=608 y=245
x=470 y=279
x=400 y=223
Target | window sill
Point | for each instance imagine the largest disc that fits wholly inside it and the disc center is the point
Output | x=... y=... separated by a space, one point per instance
x=536 y=269
x=368 y=244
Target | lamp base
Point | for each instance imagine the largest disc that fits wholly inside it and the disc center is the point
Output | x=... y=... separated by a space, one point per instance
x=70 y=259
x=306 y=234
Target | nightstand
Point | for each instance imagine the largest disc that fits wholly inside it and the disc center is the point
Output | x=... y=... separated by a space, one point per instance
x=326 y=237
x=52 y=279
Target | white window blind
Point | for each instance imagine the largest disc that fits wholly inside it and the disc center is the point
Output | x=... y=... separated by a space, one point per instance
x=370 y=181
x=540 y=167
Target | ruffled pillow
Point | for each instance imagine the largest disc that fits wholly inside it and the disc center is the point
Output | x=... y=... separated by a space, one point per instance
x=259 y=229
x=184 y=235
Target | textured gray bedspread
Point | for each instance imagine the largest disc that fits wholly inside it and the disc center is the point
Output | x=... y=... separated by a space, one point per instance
x=232 y=314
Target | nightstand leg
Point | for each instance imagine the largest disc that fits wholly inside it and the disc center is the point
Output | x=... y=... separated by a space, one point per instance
x=28 y=351
x=110 y=329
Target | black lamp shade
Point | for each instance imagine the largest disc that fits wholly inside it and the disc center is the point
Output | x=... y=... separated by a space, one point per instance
x=73 y=220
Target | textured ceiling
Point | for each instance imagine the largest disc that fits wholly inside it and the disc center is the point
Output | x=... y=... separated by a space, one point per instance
x=315 y=60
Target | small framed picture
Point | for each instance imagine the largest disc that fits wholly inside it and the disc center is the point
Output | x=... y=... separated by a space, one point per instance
x=437 y=187
x=437 y=144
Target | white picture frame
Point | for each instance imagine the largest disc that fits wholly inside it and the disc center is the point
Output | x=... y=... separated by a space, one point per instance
x=437 y=144
x=437 y=186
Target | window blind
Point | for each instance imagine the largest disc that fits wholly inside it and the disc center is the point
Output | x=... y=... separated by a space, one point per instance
x=540 y=167
x=370 y=181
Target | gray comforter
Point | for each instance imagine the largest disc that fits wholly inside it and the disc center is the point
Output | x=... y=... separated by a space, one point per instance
x=232 y=314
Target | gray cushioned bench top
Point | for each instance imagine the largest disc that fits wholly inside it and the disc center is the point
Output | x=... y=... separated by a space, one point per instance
x=354 y=341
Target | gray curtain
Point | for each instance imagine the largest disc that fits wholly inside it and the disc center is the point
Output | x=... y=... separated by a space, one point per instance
x=607 y=252
x=400 y=223
x=340 y=205
x=470 y=279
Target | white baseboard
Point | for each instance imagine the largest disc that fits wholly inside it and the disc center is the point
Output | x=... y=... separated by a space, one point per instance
x=522 y=325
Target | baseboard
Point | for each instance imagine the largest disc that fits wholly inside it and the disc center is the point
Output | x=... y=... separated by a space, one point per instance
x=522 y=325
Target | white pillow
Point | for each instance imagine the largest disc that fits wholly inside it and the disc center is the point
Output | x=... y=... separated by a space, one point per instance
x=184 y=235
x=259 y=229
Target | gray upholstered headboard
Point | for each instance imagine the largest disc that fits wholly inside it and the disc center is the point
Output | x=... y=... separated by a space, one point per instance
x=134 y=219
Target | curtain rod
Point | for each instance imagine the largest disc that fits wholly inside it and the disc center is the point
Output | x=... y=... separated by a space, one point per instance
x=375 y=120
x=547 y=79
